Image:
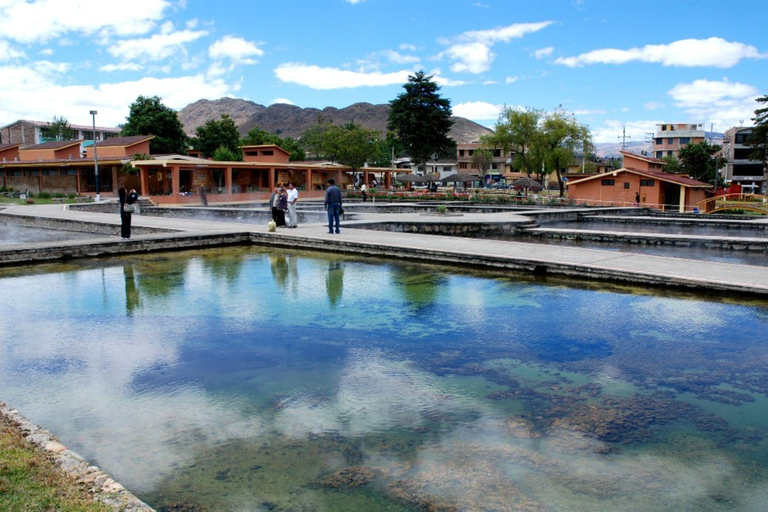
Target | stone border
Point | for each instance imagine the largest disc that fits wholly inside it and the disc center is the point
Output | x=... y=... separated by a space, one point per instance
x=100 y=485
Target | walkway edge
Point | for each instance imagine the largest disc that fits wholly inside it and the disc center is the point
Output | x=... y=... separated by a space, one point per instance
x=103 y=487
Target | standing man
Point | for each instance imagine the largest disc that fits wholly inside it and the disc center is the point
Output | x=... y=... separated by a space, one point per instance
x=293 y=196
x=333 y=205
x=364 y=191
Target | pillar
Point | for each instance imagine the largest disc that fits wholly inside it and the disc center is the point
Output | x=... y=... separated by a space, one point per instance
x=682 y=199
x=144 y=180
x=272 y=179
x=308 y=174
x=175 y=179
x=388 y=180
x=228 y=179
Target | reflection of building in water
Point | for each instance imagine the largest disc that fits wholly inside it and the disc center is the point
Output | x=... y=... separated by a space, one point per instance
x=334 y=281
x=131 y=292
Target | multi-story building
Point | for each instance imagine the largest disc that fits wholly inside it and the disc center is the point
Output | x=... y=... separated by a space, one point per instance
x=30 y=133
x=752 y=175
x=670 y=138
x=498 y=169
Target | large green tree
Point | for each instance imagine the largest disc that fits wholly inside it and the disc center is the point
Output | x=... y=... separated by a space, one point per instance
x=482 y=159
x=256 y=137
x=148 y=116
x=518 y=130
x=349 y=144
x=58 y=129
x=421 y=118
x=758 y=140
x=560 y=135
x=216 y=134
x=701 y=161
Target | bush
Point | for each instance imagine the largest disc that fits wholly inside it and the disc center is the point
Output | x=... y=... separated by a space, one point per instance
x=43 y=195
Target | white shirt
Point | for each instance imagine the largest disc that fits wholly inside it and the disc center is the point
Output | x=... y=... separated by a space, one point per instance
x=293 y=196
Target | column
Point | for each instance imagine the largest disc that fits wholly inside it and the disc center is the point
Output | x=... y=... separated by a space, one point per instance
x=144 y=180
x=228 y=179
x=388 y=180
x=308 y=174
x=272 y=180
x=682 y=199
x=175 y=178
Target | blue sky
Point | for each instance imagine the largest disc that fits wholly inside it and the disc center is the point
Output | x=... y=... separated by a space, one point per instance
x=612 y=63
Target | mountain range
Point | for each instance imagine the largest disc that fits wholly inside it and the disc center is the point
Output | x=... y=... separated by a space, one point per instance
x=290 y=120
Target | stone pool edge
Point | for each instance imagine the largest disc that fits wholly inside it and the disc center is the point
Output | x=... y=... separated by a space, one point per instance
x=99 y=484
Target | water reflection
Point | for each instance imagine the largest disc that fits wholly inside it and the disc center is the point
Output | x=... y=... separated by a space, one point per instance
x=276 y=380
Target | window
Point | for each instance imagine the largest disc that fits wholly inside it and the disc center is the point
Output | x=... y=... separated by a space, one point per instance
x=670 y=140
x=50 y=172
x=607 y=183
x=461 y=152
x=754 y=170
x=742 y=153
x=741 y=138
x=658 y=141
x=33 y=172
x=252 y=153
x=670 y=153
x=267 y=152
x=647 y=183
x=462 y=165
x=685 y=140
x=659 y=154
x=626 y=184
x=497 y=153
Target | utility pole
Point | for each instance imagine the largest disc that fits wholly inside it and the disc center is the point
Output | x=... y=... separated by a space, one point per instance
x=624 y=137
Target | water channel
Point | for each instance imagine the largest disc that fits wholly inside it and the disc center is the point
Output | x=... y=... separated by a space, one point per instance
x=245 y=379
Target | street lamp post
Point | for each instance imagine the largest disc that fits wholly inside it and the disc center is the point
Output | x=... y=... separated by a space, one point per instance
x=95 y=156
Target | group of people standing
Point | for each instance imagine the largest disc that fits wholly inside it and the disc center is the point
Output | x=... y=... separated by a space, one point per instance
x=282 y=202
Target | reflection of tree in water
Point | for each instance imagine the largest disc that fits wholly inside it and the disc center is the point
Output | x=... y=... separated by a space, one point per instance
x=161 y=277
x=223 y=266
x=419 y=289
x=131 y=292
x=334 y=281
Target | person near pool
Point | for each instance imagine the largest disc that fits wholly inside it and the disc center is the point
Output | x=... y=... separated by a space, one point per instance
x=333 y=205
x=293 y=195
x=126 y=197
x=281 y=204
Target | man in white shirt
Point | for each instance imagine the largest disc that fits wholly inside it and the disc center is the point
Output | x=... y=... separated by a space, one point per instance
x=293 y=196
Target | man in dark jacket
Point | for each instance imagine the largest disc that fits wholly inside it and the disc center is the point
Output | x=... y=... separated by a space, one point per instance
x=333 y=205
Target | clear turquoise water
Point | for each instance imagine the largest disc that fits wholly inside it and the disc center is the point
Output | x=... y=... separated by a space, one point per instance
x=242 y=379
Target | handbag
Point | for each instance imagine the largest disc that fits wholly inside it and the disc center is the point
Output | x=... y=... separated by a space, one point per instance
x=129 y=208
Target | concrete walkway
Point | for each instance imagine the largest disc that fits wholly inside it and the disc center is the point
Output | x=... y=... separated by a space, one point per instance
x=470 y=252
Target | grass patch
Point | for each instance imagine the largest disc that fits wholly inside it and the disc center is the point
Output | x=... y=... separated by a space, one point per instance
x=29 y=480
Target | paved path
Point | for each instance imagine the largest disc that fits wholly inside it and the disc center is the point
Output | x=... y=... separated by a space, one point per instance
x=539 y=258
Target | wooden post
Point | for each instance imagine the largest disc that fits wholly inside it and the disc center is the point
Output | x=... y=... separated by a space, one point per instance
x=228 y=179
x=175 y=178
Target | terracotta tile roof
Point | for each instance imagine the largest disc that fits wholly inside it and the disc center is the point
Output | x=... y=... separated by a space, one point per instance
x=3 y=147
x=643 y=157
x=61 y=161
x=659 y=175
x=56 y=144
x=124 y=141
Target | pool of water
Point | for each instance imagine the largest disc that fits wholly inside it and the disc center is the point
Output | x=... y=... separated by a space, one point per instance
x=243 y=379
x=669 y=228
x=14 y=235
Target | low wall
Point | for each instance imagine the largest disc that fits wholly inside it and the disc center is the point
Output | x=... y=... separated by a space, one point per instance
x=734 y=244
x=99 y=484
x=462 y=229
x=75 y=225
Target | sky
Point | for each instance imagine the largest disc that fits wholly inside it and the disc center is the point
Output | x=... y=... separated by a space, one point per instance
x=614 y=64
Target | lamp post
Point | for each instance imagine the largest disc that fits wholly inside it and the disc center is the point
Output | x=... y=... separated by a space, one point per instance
x=95 y=156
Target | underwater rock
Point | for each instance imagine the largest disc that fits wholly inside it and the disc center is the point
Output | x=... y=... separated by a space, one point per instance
x=349 y=477
x=183 y=507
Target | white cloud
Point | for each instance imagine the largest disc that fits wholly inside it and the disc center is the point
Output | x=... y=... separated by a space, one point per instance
x=511 y=79
x=477 y=110
x=723 y=103
x=45 y=20
x=543 y=52
x=236 y=49
x=157 y=47
x=126 y=66
x=407 y=47
x=38 y=93
x=398 y=58
x=490 y=82
x=652 y=105
x=353 y=2
x=471 y=51
x=715 y=52
x=283 y=101
x=319 y=78
x=588 y=112
x=7 y=52
x=611 y=131
x=471 y=57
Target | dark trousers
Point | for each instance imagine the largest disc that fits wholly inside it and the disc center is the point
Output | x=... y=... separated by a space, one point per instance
x=280 y=217
x=333 y=216
x=125 y=225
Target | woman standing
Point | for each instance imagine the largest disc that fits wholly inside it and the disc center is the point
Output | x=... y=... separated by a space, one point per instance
x=127 y=202
x=281 y=204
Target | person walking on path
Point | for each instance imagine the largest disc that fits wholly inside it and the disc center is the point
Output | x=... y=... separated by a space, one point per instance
x=281 y=204
x=127 y=202
x=333 y=205
x=293 y=196
x=364 y=191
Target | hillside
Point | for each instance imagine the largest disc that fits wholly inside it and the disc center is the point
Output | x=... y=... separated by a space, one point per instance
x=293 y=121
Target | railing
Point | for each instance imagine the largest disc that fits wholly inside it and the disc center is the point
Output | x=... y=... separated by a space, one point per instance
x=752 y=202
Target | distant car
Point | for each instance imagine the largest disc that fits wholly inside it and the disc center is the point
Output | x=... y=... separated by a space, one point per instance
x=500 y=185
